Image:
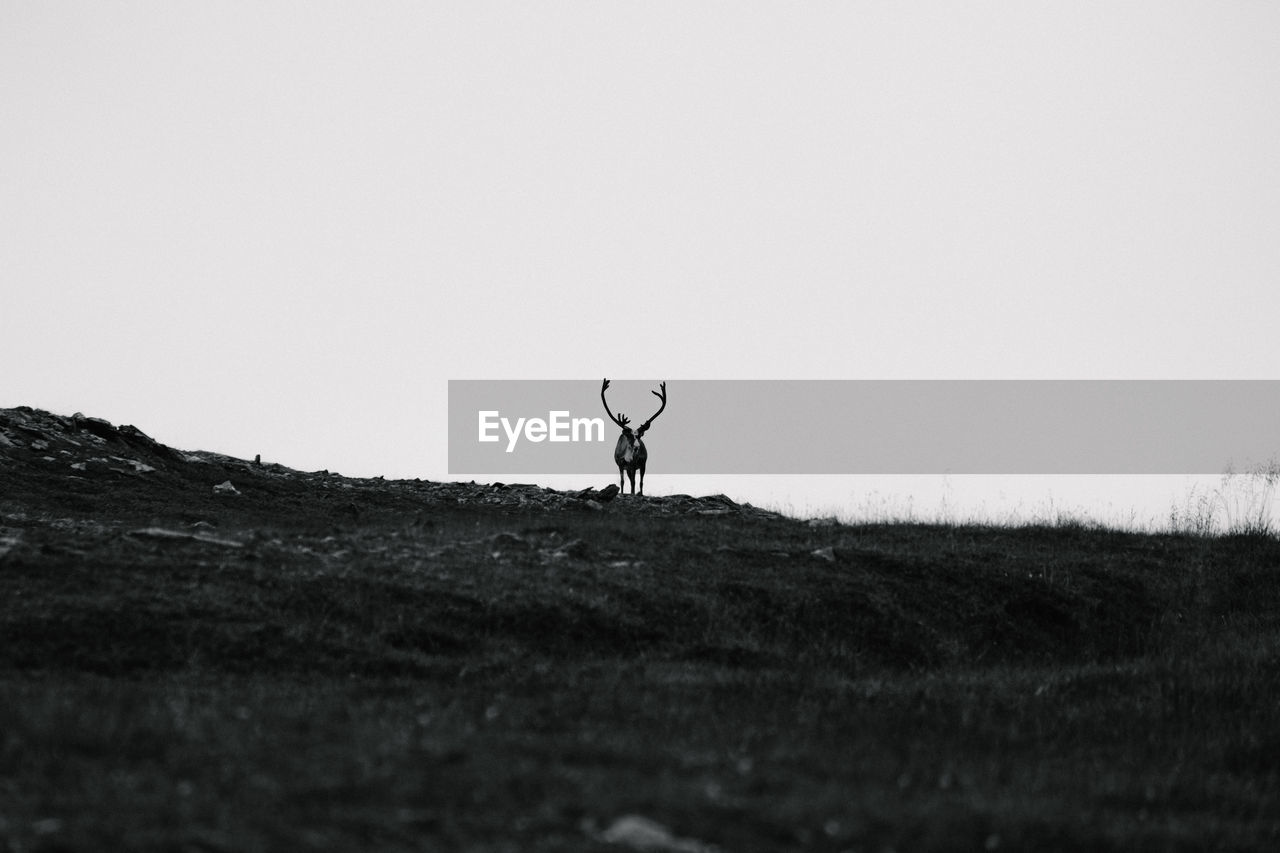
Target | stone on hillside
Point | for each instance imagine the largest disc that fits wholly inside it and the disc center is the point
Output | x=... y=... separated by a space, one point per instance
x=225 y=488
x=608 y=493
x=163 y=533
x=134 y=437
x=96 y=427
x=138 y=467
x=641 y=833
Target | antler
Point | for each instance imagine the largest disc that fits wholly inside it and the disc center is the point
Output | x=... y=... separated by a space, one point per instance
x=621 y=420
x=661 y=395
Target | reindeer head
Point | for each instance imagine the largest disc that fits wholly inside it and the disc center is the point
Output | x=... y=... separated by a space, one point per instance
x=623 y=421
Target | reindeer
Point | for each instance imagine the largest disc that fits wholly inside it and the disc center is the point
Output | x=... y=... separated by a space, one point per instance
x=630 y=453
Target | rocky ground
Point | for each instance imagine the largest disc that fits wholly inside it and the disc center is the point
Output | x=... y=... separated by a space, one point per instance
x=199 y=652
x=75 y=447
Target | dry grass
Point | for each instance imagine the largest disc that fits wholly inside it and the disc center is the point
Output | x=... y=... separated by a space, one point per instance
x=372 y=668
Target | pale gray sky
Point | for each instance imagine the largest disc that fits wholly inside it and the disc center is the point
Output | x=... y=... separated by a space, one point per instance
x=281 y=227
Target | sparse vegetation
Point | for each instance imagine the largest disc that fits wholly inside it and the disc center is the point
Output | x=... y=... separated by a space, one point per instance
x=1243 y=504
x=387 y=665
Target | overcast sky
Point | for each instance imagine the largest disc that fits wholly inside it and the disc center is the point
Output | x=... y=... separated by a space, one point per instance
x=280 y=228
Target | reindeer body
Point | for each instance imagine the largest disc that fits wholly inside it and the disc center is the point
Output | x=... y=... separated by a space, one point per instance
x=629 y=453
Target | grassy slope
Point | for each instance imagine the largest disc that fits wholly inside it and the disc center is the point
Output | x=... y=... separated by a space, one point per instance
x=379 y=666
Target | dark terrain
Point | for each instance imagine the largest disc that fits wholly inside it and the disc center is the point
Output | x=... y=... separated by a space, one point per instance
x=315 y=662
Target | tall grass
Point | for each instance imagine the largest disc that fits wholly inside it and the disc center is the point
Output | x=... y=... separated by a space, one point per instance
x=1239 y=503
x=1242 y=504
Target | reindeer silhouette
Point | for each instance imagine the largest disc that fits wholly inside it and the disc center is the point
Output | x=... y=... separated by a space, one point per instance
x=630 y=453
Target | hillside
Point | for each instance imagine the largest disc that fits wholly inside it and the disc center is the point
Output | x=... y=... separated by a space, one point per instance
x=206 y=653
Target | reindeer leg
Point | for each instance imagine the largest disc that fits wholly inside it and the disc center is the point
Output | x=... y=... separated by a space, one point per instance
x=622 y=486
x=631 y=475
x=642 y=478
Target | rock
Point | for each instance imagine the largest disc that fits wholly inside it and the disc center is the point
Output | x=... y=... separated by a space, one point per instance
x=593 y=505
x=828 y=554
x=225 y=488
x=138 y=439
x=166 y=534
x=608 y=493
x=641 y=833
x=138 y=467
x=94 y=426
